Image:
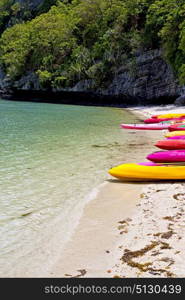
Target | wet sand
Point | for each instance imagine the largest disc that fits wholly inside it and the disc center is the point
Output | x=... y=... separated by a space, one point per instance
x=90 y=253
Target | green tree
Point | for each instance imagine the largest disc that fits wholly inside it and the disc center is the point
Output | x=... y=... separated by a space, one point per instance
x=91 y=39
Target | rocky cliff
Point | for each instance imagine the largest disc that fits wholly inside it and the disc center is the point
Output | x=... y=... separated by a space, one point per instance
x=150 y=80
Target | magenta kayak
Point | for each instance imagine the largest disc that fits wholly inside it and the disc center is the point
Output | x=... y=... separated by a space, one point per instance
x=157 y=126
x=177 y=137
x=167 y=156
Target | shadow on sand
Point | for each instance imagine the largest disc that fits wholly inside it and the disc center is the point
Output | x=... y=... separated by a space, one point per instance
x=145 y=182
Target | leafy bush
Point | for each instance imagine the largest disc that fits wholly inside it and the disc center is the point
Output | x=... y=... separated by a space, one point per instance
x=90 y=39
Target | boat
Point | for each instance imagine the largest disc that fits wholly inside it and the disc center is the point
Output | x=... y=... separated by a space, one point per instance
x=167 y=156
x=174 y=133
x=170 y=115
x=158 y=126
x=157 y=120
x=140 y=172
x=177 y=137
x=173 y=144
x=176 y=127
x=154 y=120
x=179 y=121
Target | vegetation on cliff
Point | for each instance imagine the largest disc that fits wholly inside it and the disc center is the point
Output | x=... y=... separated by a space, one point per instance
x=18 y=11
x=90 y=39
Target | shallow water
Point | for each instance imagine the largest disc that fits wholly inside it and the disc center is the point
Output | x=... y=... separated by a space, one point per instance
x=52 y=157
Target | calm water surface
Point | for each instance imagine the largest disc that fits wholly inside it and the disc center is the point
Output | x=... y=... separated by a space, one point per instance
x=51 y=158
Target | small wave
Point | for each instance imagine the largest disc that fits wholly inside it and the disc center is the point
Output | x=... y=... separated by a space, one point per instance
x=95 y=191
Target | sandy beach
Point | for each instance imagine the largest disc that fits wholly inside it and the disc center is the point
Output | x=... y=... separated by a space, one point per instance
x=130 y=230
x=78 y=79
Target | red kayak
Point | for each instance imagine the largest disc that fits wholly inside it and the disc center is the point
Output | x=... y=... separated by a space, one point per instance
x=171 y=144
x=176 y=127
x=153 y=120
x=156 y=120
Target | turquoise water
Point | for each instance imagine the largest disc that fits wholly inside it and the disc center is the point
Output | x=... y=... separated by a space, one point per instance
x=52 y=157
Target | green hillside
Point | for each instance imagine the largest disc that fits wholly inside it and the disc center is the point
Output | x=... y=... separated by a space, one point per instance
x=89 y=39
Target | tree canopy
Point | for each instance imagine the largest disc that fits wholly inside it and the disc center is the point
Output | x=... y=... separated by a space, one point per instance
x=90 y=39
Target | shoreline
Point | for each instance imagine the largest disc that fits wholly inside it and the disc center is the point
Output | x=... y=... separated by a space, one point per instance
x=92 y=249
x=89 y=252
x=84 y=99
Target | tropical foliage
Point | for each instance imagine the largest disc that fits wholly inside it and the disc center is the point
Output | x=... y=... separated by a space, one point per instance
x=91 y=39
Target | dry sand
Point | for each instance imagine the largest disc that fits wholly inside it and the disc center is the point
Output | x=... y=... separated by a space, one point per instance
x=130 y=230
x=154 y=245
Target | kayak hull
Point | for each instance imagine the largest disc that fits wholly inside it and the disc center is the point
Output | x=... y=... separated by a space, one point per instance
x=145 y=126
x=176 y=127
x=154 y=120
x=137 y=172
x=167 y=156
x=173 y=144
x=175 y=133
x=171 y=115
x=177 y=137
x=158 y=120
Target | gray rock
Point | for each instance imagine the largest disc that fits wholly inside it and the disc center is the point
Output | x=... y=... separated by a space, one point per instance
x=150 y=78
x=2 y=76
x=5 y=82
x=84 y=86
x=153 y=78
x=27 y=82
x=180 y=100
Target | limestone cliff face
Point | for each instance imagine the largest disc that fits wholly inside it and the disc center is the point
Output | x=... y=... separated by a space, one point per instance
x=151 y=80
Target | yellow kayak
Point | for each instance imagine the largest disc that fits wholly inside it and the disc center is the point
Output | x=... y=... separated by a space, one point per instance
x=175 y=133
x=172 y=115
x=137 y=172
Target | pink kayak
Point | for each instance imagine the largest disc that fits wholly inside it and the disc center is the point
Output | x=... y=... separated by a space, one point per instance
x=145 y=126
x=156 y=120
x=176 y=137
x=167 y=156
